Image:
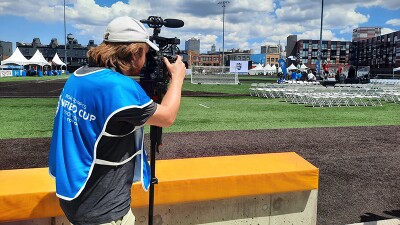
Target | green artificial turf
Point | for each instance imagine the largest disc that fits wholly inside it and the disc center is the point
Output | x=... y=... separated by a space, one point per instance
x=33 y=78
x=27 y=118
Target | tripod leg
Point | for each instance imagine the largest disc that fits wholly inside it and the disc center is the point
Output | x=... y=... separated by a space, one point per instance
x=155 y=139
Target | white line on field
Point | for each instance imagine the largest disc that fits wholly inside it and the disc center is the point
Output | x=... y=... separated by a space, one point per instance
x=204 y=106
x=56 y=90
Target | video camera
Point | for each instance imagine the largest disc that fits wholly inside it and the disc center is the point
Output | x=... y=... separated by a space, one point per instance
x=154 y=76
x=154 y=79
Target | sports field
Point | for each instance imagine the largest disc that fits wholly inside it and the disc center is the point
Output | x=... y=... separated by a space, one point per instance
x=355 y=148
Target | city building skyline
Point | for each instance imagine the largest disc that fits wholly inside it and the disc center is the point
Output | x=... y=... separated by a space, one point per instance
x=249 y=24
x=379 y=52
x=193 y=44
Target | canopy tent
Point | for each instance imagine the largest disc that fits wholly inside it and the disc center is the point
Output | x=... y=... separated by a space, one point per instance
x=258 y=69
x=38 y=59
x=303 y=67
x=268 y=68
x=273 y=68
x=56 y=60
x=16 y=58
x=292 y=67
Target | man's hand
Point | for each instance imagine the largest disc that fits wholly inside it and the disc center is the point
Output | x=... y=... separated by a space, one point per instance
x=176 y=69
x=167 y=111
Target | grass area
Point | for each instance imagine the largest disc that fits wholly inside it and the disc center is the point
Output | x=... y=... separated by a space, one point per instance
x=217 y=88
x=258 y=78
x=242 y=88
x=35 y=78
x=27 y=118
x=247 y=113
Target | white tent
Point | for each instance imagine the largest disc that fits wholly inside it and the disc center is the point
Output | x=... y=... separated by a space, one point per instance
x=268 y=68
x=56 y=60
x=273 y=68
x=292 y=67
x=258 y=69
x=16 y=58
x=38 y=59
x=303 y=67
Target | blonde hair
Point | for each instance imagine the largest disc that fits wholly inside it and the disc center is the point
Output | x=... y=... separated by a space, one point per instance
x=117 y=55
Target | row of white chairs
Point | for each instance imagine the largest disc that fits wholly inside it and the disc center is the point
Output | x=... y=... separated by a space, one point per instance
x=302 y=82
x=330 y=99
x=368 y=95
x=385 y=81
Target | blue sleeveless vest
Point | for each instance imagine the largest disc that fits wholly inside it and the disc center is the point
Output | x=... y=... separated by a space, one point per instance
x=85 y=106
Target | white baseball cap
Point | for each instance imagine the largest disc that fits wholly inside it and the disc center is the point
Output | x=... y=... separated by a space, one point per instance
x=127 y=29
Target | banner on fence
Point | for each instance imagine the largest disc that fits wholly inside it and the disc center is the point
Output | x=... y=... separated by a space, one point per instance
x=239 y=67
x=5 y=73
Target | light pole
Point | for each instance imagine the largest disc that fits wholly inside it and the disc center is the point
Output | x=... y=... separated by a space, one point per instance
x=320 y=39
x=223 y=3
x=65 y=41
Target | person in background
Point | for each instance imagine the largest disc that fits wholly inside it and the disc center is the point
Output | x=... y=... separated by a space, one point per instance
x=298 y=75
x=352 y=73
x=325 y=68
x=293 y=75
x=311 y=76
x=338 y=72
x=303 y=75
x=96 y=150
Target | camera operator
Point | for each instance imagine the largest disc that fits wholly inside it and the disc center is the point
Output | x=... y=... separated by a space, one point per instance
x=96 y=150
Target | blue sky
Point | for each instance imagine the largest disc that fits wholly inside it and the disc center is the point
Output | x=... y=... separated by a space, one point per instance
x=248 y=23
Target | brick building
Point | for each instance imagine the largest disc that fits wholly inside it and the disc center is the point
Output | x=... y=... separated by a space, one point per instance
x=76 y=53
x=381 y=53
x=334 y=52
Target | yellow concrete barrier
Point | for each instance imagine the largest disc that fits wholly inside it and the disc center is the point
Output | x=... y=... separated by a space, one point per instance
x=30 y=193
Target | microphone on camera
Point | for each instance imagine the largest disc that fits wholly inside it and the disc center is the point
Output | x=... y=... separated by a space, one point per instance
x=173 y=23
x=154 y=21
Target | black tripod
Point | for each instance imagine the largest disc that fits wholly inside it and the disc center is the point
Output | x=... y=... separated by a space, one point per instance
x=155 y=143
x=155 y=140
x=154 y=80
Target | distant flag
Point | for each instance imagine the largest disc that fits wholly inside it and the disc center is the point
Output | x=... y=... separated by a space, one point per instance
x=282 y=64
x=318 y=65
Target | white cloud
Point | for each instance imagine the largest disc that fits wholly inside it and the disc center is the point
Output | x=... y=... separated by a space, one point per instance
x=386 y=31
x=393 y=22
x=248 y=23
x=388 y=4
x=338 y=18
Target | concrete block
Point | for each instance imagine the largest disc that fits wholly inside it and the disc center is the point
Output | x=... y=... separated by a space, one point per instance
x=289 y=208
x=297 y=208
